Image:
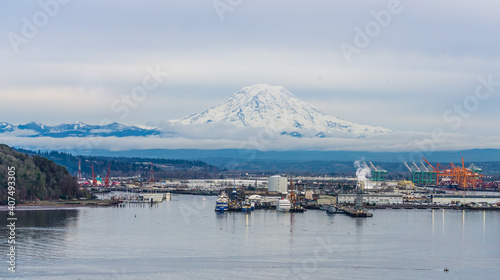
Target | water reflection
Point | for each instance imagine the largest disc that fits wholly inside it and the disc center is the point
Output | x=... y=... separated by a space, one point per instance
x=44 y=218
x=463 y=226
x=484 y=227
x=221 y=220
x=139 y=205
x=247 y=227
x=41 y=233
x=360 y=222
x=443 y=222
x=94 y=243
x=433 y=223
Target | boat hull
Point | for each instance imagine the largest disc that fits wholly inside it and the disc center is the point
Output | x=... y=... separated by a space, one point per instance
x=221 y=207
x=284 y=205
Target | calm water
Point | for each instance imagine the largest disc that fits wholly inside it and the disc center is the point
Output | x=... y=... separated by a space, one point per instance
x=185 y=239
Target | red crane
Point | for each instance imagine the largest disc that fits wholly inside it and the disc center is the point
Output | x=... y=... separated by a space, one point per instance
x=94 y=180
x=106 y=180
x=465 y=178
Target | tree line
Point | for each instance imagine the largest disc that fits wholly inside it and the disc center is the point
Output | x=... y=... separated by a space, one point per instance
x=35 y=177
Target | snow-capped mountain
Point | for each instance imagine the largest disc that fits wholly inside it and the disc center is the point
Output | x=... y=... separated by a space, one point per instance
x=77 y=129
x=276 y=108
x=6 y=127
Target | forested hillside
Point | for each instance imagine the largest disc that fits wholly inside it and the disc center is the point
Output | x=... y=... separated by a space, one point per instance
x=36 y=177
x=125 y=166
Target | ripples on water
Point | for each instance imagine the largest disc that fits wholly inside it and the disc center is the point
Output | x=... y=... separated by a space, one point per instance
x=185 y=239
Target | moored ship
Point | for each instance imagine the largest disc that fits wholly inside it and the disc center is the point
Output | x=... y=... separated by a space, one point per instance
x=221 y=205
x=284 y=205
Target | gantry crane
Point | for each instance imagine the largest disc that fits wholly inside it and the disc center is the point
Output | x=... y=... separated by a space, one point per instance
x=421 y=175
x=377 y=173
x=94 y=180
x=461 y=176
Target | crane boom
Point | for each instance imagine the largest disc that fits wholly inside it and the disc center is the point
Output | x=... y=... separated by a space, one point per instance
x=433 y=168
x=407 y=166
x=416 y=166
x=94 y=180
x=106 y=180
x=424 y=168
x=372 y=166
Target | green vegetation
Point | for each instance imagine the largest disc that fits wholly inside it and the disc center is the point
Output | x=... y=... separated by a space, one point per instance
x=36 y=177
x=125 y=167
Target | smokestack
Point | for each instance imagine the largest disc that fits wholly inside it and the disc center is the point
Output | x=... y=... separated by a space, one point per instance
x=362 y=173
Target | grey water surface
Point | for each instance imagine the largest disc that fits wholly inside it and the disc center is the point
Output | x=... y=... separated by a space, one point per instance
x=185 y=239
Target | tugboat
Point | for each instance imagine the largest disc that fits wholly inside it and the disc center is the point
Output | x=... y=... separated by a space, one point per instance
x=358 y=210
x=222 y=202
x=247 y=208
x=234 y=204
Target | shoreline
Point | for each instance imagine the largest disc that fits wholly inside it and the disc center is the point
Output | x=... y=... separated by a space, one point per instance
x=433 y=207
x=59 y=205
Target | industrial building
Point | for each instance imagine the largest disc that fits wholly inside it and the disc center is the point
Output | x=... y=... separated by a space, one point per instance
x=309 y=195
x=326 y=200
x=277 y=184
x=153 y=197
x=371 y=198
x=465 y=199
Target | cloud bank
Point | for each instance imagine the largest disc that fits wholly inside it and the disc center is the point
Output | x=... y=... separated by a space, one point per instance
x=212 y=138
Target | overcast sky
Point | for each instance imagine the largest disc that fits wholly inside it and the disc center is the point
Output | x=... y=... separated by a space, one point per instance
x=77 y=61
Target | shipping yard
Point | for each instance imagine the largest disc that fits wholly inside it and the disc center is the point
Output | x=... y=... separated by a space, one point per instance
x=425 y=186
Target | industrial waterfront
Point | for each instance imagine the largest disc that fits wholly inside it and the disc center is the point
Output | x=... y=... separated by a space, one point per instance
x=424 y=186
x=185 y=239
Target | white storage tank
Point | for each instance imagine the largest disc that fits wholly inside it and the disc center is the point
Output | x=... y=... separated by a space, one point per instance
x=278 y=184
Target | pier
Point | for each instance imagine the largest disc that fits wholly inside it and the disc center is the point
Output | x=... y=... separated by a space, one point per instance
x=349 y=211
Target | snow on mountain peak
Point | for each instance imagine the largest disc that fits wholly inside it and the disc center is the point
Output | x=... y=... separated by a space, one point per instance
x=79 y=129
x=262 y=105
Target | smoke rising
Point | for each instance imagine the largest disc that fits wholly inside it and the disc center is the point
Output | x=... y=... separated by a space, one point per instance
x=362 y=171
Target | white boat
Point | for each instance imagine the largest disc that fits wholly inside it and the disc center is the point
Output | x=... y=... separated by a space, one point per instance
x=168 y=196
x=222 y=202
x=284 y=205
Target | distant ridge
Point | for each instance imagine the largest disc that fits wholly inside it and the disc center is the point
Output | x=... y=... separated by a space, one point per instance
x=77 y=129
x=474 y=155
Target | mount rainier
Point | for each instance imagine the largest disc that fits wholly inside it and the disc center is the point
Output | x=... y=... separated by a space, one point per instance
x=274 y=107
x=258 y=106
